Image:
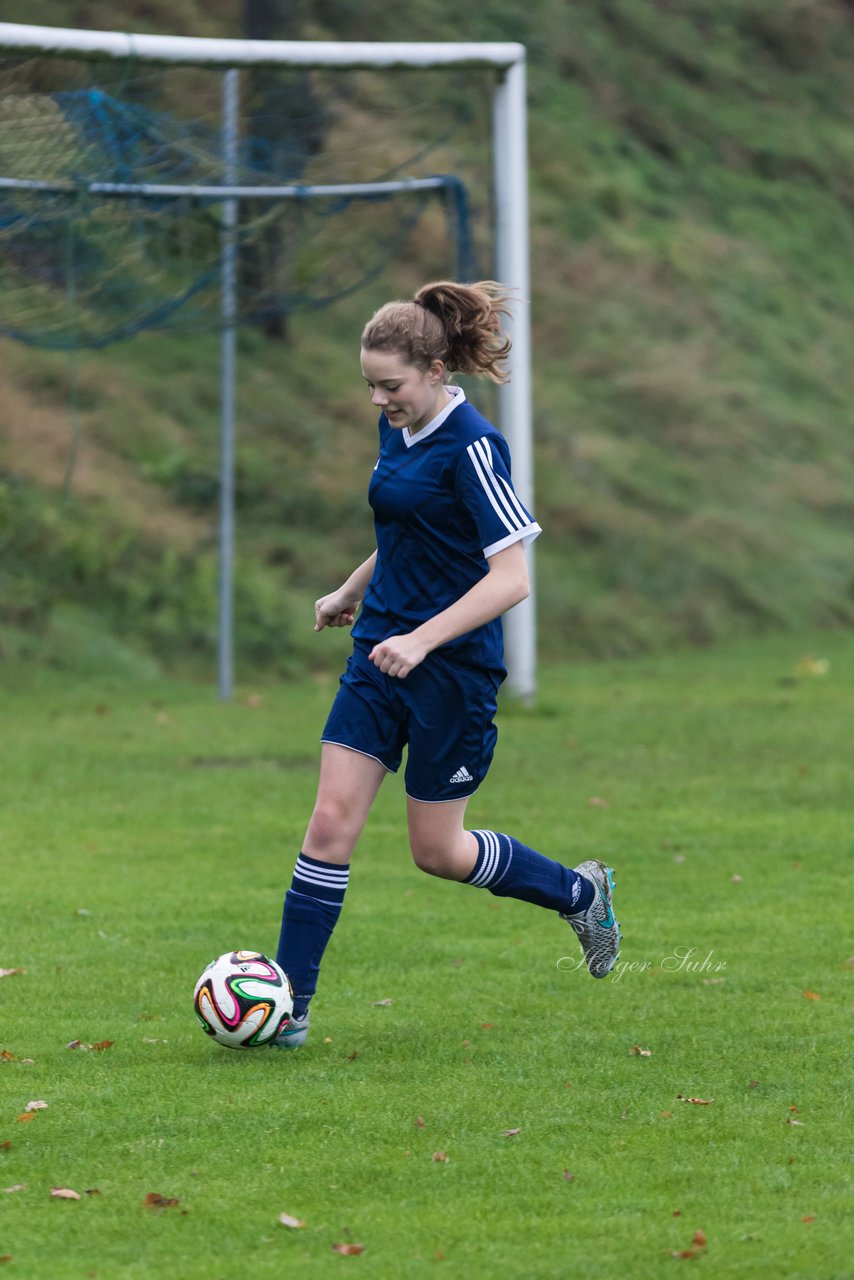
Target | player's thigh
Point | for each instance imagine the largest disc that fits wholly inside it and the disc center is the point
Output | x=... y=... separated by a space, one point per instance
x=368 y=714
x=452 y=732
x=348 y=784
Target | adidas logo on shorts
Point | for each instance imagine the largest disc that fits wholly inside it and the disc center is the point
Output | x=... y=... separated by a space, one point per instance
x=462 y=775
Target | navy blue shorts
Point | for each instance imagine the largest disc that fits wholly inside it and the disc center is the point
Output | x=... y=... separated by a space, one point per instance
x=443 y=712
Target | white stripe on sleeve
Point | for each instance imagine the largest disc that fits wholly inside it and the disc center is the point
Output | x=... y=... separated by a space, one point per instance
x=484 y=472
x=485 y=450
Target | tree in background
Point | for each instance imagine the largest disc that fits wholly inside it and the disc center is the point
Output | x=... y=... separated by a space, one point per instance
x=286 y=126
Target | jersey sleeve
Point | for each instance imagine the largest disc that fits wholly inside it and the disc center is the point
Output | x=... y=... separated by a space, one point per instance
x=485 y=489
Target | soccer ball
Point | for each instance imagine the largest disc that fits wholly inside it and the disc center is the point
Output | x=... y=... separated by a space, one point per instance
x=243 y=999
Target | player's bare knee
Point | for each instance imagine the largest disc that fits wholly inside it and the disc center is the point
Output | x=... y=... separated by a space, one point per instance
x=430 y=857
x=331 y=832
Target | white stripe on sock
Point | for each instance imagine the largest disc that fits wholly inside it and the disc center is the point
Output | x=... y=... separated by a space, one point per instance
x=328 y=878
x=491 y=855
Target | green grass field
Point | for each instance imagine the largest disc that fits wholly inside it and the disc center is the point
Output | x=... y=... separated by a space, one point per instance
x=147 y=828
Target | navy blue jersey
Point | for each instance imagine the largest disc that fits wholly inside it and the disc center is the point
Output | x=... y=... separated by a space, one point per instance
x=443 y=503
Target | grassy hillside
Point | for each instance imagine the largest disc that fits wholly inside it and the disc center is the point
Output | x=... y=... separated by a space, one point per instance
x=691 y=199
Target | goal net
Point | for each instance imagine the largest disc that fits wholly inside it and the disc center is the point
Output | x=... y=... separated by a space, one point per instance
x=113 y=178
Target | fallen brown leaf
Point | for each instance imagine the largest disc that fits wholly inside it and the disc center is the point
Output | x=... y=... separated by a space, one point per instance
x=699 y=1239
x=809 y=1217
x=64 y=1193
x=25 y=1116
x=487 y=1026
x=668 y=1115
x=101 y=1045
x=6 y=1055
x=351 y=1057
x=440 y=1157
x=681 y=1253
x=699 y=1102
x=753 y=1084
x=347 y=1249
x=419 y=1122
x=810 y=666
x=6 y=1257
x=5 y=1145
x=567 y=1176
x=810 y=995
x=287 y=1221
x=155 y=1201
x=639 y=1052
x=92 y=1191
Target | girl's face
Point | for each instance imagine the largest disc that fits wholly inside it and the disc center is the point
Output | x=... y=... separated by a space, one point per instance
x=408 y=396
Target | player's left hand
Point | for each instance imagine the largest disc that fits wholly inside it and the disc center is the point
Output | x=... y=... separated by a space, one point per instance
x=398 y=655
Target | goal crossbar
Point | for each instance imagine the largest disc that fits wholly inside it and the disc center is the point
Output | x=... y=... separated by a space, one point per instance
x=201 y=51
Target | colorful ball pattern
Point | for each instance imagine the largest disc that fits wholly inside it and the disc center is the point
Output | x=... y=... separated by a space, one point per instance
x=243 y=999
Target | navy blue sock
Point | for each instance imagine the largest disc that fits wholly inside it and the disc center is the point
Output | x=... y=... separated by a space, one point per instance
x=512 y=870
x=312 y=907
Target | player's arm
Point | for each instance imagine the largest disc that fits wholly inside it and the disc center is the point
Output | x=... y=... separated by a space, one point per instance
x=504 y=585
x=338 y=609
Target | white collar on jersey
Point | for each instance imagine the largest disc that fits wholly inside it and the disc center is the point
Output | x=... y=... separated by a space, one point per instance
x=457 y=397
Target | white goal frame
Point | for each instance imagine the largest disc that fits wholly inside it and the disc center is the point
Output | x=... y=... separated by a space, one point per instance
x=510 y=177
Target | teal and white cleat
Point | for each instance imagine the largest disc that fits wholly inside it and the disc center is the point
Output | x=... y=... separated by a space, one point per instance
x=295 y=1033
x=597 y=930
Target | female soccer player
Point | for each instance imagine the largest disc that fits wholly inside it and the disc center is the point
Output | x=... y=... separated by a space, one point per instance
x=427 y=657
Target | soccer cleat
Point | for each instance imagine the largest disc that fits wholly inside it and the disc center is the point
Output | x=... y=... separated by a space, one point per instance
x=597 y=930
x=295 y=1033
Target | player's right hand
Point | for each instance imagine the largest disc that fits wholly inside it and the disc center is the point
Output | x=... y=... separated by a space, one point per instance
x=334 y=610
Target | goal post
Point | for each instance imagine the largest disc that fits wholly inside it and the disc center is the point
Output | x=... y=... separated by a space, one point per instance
x=507 y=61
